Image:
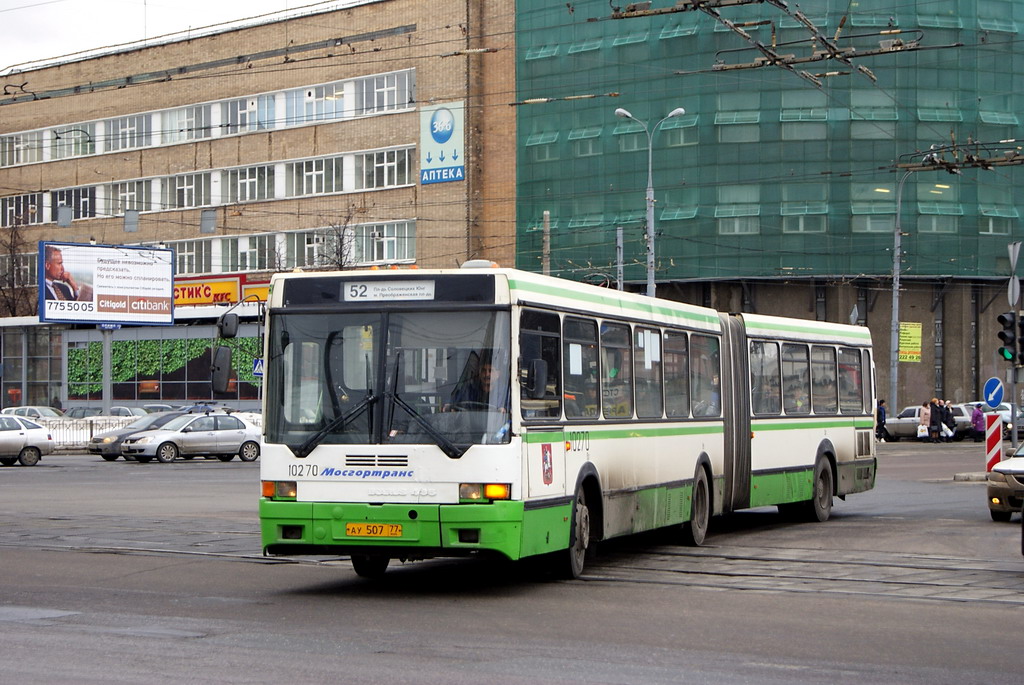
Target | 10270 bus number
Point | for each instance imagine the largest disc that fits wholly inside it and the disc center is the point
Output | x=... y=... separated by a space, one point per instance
x=300 y=470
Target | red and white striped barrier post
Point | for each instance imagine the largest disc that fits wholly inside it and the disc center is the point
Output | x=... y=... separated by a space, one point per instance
x=993 y=440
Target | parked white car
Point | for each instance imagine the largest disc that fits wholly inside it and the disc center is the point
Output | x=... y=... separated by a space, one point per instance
x=35 y=412
x=23 y=441
x=191 y=435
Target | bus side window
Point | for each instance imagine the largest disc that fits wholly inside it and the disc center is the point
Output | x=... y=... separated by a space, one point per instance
x=677 y=375
x=647 y=358
x=705 y=379
x=579 y=360
x=539 y=338
x=823 y=380
x=617 y=371
x=796 y=379
x=850 y=375
x=765 y=395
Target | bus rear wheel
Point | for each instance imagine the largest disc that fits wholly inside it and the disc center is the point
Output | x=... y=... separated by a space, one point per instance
x=820 y=506
x=369 y=566
x=696 y=529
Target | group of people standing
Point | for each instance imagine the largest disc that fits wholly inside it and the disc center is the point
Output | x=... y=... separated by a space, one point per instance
x=936 y=422
x=937 y=417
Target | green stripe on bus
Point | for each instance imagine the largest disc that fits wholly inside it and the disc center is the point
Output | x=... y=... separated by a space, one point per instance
x=780 y=488
x=754 y=328
x=795 y=424
x=653 y=431
x=614 y=301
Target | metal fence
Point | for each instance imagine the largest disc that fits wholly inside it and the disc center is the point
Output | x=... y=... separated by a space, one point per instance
x=74 y=434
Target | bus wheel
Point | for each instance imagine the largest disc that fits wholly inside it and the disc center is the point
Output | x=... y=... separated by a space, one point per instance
x=367 y=566
x=696 y=529
x=571 y=560
x=29 y=456
x=820 y=506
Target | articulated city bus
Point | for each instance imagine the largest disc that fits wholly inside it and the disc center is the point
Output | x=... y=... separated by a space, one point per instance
x=423 y=413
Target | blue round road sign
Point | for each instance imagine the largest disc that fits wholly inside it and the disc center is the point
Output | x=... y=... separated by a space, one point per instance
x=993 y=392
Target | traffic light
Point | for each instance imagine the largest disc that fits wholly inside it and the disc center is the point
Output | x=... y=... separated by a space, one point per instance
x=1008 y=335
x=1020 y=341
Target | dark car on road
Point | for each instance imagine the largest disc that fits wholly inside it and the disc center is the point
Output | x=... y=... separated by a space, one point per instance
x=108 y=444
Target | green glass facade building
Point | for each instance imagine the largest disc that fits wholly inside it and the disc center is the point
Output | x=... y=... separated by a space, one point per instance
x=770 y=185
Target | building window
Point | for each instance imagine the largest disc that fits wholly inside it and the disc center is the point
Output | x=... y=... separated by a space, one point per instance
x=873 y=223
x=251 y=183
x=315 y=248
x=126 y=133
x=814 y=223
x=316 y=103
x=385 y=93
x=738 y=127
x=82 y=202
x=680 y=131
x=186 y=123
x=995 y=225
x=248 y=114
x=187 y=190
x=194 y=256
x=248 y=253
x=313 y=177
x=21 y=148
x=134 y=195
x=73 y=141
x=382 y=169
x=21 y=210
x=586 y=142
x=390 y=242
x=937 y=224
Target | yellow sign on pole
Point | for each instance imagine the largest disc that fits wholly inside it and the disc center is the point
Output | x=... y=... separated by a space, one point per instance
x=910 y=341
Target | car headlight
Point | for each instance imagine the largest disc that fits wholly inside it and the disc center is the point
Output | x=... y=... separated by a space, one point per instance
x=996 y=477
x=107 y=440
x=144 y=441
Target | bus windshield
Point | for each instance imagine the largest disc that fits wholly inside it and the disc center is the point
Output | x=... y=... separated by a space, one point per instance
x=373 y=377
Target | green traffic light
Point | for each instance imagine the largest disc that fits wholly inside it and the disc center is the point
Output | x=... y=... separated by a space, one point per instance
x=1006 y=354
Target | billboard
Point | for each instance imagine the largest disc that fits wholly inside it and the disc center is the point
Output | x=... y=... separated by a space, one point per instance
x=442 y=143
x=106 y=284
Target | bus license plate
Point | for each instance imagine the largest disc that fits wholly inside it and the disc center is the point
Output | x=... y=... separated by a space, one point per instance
x=373 y=530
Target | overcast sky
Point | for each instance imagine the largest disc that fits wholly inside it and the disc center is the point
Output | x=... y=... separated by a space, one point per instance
x=44 y=29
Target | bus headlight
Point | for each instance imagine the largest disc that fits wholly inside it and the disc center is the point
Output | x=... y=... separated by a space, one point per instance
x=278 y=489
x=480 y=492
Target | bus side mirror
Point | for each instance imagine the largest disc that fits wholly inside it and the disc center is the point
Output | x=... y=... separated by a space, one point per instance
x=221 y=368
x=227 y=325
x=537 y=379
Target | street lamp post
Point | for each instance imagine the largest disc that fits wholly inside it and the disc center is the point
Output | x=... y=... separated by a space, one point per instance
x=620 y=112
x=894 y=332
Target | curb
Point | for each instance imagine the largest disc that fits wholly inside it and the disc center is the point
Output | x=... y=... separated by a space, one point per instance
x=972 y=477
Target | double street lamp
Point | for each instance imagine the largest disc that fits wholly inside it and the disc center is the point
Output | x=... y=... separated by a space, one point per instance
x=650 y=131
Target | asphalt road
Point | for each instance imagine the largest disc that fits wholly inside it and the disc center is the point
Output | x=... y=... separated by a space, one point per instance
x=132 y=573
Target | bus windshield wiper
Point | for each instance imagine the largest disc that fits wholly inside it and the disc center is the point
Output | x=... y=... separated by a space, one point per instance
x=447 y=446
x=303 y=450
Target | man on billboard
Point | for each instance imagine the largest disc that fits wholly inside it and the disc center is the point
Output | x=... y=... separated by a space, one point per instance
x=60 y=285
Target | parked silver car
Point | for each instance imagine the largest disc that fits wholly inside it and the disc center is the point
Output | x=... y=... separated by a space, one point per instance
x=23 y=441
x=108 y=443
x=191 y=435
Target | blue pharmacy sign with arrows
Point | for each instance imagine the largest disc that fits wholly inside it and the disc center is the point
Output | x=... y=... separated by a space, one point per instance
x=442 y=143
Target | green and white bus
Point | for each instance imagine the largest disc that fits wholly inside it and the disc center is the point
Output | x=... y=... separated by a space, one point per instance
x=423 y=413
